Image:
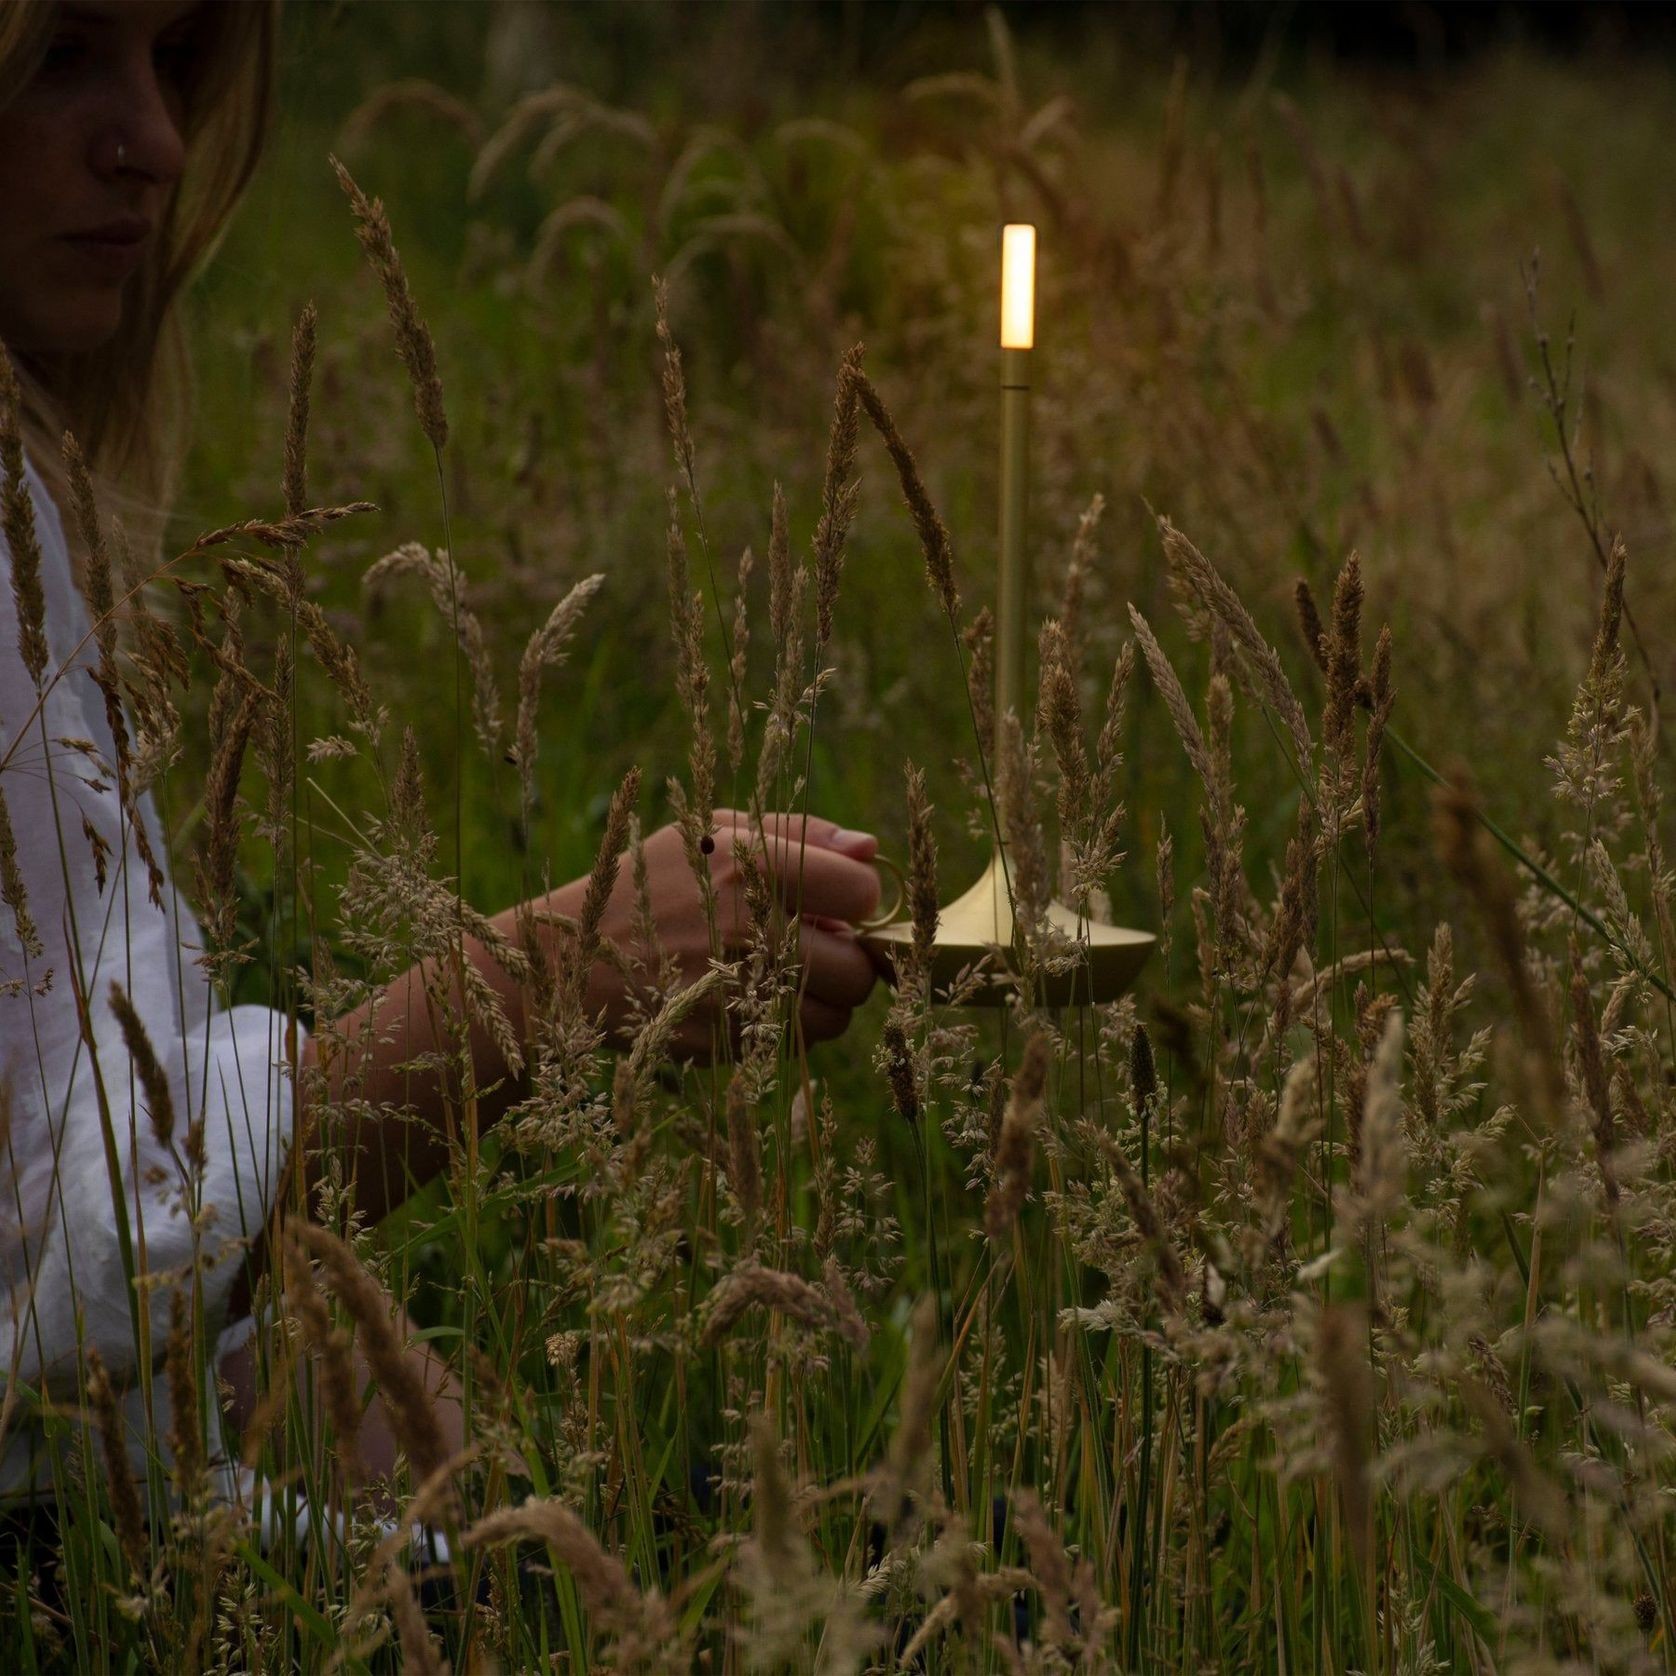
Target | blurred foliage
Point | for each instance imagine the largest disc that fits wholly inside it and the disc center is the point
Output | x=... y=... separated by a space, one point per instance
x=1287 y=304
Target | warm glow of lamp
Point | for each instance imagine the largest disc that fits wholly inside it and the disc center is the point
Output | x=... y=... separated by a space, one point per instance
x=1018 y=286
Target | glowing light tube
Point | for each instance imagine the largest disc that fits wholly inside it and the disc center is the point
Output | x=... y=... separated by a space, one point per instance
x=1018 y=286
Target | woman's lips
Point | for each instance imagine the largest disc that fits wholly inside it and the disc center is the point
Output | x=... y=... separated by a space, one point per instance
x=108 y=255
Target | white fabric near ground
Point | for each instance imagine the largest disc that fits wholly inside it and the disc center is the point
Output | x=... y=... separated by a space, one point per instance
x=61 y=1262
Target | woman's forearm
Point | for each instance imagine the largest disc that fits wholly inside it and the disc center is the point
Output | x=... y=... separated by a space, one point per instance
x=393 y=1085
x=390 y=1081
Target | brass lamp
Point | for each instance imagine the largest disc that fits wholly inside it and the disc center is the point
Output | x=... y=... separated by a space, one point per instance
x=974 y=926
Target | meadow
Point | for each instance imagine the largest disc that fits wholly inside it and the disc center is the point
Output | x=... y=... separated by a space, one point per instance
x=1308 y=1309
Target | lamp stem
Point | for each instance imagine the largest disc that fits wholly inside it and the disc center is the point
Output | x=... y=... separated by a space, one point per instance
x=1012 y=595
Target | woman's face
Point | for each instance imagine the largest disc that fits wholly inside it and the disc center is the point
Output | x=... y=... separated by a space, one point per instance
x=90 y=151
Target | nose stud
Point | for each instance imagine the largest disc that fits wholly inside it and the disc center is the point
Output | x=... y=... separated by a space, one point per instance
x=121 y=154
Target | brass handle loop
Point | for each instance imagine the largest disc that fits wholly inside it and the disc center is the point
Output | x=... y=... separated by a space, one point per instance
x=894 y=912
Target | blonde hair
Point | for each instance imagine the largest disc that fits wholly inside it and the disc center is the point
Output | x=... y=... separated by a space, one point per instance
x=129 y=401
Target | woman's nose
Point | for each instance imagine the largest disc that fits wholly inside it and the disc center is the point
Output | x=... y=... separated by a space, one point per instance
x=144 y=136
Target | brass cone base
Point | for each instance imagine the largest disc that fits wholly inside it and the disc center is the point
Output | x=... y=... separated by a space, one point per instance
x=969 y=928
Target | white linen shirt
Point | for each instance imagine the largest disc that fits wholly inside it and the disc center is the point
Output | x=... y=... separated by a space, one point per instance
x=61 y=1261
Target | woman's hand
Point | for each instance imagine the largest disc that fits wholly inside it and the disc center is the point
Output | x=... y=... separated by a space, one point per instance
x=818 y=873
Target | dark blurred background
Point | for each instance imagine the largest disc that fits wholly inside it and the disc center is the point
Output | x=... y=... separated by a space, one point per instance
x=1234 y=33
x=761 y=49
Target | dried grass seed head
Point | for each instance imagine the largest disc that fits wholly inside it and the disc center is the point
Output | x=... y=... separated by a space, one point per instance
x=330 y=1347
x=1143 y=1208
x=1143 y=1072
x=1021 y=826
x=899 y=1072
x=1381 y=1174
x=979 y=639
x=421 y=1653
x=1107 y=748
x=1084 y=552
x=1205 y=584
x=922 y=869
x=217 y=856
x=108 y=1422
x=839 y=491
x=751 y=1285
x=447 y=585
x=1309 y=623
x=546 y=649
x=180 y=1366
x=779 y=1542
x=674 y=382
x=1341 y=1357
x=1594 y=1075
x=296 y=420
x=1181 y=715
x=1344 y=657
x=584 y=948
x=154 y=1085
x=410 y=1406
x=92 y=536
x=413 y=336
x=600 y=1577
x=1610 y=624
x=1049 y=1565
x=692 y=683
x=1383 y=698
x=14 y=892
x=741 y=643
x=1059 y=715
x=1015 y=1144
x=17 y=525
x=910 y=1443
x=780 y=598
x=933 y=534
x=1466 y=853
x=744 y=1150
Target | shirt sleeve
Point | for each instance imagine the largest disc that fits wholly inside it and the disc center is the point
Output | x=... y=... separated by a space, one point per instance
x=108 y=1207
x=189 y=1209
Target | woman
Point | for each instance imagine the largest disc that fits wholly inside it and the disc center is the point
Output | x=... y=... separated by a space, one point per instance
x=128 y=129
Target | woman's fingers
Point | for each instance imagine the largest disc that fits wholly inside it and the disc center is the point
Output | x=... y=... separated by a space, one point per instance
x=828 y=886
x=822 y=875
x=819 y=870
x=785 y=832
x=821 y=1023
x=838 y=975
x=818 y=874
x=837 y=970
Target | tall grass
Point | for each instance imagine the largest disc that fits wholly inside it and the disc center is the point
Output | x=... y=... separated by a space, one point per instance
x=1307 y=1310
